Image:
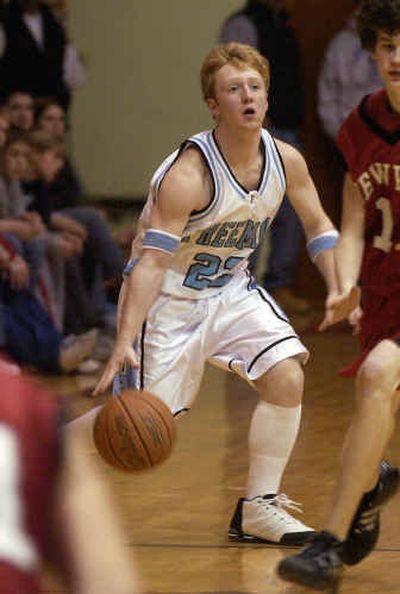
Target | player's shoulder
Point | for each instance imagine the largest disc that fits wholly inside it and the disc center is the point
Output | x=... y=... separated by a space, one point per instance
x=291 y=156
x=187 y=184
x=189 y=168
x=361 y=122
x=367 y=110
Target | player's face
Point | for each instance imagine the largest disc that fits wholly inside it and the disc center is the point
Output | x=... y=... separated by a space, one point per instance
x=240 y=97
x=387 y=58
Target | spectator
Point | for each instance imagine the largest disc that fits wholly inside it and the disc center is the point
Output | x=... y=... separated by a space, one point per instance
x=102 y=255
x=35 y=55
x=65 y=237
x=66 y=188
x=348 y=73
x=97 y=258
x=4 y=126
x=264 y=24
x=27 y=332
x=24 y=231
x=20 y=106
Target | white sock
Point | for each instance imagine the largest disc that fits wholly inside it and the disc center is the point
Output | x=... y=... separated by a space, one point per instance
x=272 y=435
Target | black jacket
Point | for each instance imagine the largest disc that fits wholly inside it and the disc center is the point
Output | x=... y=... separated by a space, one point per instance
x=27 y=67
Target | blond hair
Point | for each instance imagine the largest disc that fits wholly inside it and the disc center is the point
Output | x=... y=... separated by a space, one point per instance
x=240 y=55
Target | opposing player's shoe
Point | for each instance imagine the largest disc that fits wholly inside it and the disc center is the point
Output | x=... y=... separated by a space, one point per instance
x=364 y=530
x=265 y=519
x=318 y=565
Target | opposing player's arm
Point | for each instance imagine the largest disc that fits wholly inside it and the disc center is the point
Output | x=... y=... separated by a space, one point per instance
x=348 y=256
x=318 y=228
x=185 y=188
x=89 y=528
x=350 y=246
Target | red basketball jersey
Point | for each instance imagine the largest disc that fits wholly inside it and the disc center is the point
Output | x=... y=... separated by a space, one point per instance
x=369 y=141
x=29 y=459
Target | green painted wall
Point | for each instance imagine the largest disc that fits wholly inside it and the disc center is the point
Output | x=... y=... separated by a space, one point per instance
x=142 y=95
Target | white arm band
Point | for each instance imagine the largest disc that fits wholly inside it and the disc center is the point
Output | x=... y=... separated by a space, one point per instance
x=161 y=240
x=321 y=243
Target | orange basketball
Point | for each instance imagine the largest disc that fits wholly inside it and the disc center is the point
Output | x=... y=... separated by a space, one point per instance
x=134 y=431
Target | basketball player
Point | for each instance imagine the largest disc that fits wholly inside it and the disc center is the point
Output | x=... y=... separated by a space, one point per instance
x=188 y=298
x=53 y=507
x=368 y=251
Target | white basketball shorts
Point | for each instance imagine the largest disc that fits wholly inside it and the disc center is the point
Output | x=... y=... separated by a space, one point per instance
x=241 y=330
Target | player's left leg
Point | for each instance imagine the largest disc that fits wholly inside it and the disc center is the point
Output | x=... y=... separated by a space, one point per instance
x=261 y=515
x=250 y=335
x=352 y=525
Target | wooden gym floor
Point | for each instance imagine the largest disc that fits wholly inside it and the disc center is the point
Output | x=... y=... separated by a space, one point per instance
x=176 y=516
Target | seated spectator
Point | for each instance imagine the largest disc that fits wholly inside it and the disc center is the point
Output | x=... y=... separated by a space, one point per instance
x=103 y=258
x=20 y=107
x=81 y=228
x=29 y=336
x=35 y=55
x=25 y=231
x=4 y=125
x=66 y=188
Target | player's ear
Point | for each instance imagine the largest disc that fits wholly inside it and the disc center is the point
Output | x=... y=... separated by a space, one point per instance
x=213 y=107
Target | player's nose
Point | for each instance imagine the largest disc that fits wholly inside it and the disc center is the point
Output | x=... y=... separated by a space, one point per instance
x=246 y=93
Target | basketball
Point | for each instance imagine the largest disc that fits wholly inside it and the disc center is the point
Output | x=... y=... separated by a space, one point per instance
x=134 y=431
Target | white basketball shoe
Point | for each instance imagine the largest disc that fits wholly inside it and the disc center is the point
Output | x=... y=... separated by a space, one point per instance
x=265 y=519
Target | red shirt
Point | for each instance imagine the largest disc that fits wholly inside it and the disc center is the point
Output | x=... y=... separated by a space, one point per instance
x=369 y=141
x=29 y=460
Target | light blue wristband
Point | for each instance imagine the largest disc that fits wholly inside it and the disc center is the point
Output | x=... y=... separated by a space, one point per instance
x=321 y=243
x=161 y=240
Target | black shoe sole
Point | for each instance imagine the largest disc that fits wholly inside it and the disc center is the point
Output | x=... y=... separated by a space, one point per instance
x=290 y=541
x=292 y=575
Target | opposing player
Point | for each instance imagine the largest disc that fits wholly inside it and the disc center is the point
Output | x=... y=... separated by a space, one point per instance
x=188 y=298
x=53 y=506
x=368 y=251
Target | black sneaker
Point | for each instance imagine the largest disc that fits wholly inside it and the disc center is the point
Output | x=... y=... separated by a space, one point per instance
x=364 y=530
x=318 y=565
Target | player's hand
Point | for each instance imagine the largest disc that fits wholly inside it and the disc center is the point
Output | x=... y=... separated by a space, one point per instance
x=121 y=357
x=354 y=320
x=18 y=273
x=339 y=307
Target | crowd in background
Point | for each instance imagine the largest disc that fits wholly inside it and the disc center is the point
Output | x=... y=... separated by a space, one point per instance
x=57 y=255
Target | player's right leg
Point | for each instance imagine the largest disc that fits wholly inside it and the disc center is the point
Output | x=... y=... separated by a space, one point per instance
x=371 y=428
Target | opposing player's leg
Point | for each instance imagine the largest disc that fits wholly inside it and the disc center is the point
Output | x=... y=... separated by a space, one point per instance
x=364 y=483
x=368 y=435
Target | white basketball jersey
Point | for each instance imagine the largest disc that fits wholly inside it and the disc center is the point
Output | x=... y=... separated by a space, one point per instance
x=217 y=241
